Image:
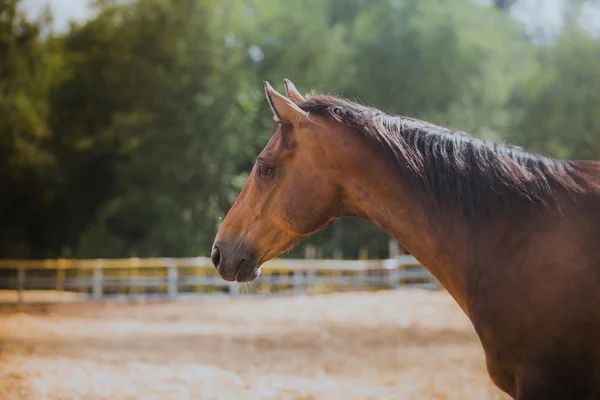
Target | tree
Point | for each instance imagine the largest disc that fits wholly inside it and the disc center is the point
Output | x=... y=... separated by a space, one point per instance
x=26 y=164
x=172 y=114
x=133 y=133
x=449 y=62
x=561 y=104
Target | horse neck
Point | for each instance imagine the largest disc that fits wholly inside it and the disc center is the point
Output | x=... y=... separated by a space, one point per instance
x=441 y=242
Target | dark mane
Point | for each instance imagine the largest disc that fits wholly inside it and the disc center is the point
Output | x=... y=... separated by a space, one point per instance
x=452 y=168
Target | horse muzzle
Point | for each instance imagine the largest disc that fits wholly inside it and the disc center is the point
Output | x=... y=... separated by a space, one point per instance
x=234 y=262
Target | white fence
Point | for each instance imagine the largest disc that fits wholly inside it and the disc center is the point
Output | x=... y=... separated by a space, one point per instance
x=183 y=277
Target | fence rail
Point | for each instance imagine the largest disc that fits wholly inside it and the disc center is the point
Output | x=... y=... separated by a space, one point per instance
x=176 y=277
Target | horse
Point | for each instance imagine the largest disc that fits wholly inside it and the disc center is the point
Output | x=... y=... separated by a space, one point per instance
x=513 y=236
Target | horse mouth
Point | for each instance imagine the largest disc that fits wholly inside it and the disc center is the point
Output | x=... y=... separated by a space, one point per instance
x=246 y=273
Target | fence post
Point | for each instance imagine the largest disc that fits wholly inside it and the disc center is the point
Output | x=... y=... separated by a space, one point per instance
x=172 y=279
x=133 y=275
x=20 y=283
x=395 y=277
x=298 y=276
x=310 y=253
x=394 y=273
x=393 y=249
x=60 y=275
x=234 y=289
x=360 y=276
x=297 y=281
x=97 y=286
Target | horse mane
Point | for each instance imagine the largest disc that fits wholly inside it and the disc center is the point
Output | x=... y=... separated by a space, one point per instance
x=453 y=169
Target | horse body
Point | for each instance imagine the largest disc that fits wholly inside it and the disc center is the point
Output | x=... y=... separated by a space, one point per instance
x=513 y=237
x=536 y=309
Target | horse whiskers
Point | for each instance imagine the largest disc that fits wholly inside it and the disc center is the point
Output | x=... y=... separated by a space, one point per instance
x=252 y=288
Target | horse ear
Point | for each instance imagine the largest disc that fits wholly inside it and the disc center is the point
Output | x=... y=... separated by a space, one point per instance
x=292 y=93
x=284 y=110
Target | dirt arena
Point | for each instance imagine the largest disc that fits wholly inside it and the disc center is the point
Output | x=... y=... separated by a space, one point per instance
x=406 y=344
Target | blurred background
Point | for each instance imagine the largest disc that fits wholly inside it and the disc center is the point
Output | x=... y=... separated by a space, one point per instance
x=127 y=128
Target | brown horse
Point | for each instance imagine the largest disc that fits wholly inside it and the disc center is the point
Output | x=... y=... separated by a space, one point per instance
x=514 y=237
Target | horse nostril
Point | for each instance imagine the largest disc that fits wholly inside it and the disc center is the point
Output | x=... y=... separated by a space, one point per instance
x=215 y=256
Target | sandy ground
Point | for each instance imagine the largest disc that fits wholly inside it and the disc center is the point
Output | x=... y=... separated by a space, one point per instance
x=406 y=344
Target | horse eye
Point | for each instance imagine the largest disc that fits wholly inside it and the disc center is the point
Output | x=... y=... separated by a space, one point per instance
x=264 y=170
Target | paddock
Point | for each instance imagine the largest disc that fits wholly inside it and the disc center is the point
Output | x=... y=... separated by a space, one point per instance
x=402 y=344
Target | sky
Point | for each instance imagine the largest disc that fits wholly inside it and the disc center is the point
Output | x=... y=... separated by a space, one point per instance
x=62 y=11
x=534 y=13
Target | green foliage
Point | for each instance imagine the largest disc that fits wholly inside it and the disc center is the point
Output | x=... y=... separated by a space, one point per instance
x=133 y=133
x=561 y=104
x=27 y=167
x=177 y=103
x=449 y=62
